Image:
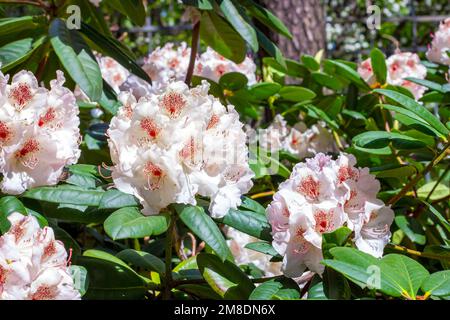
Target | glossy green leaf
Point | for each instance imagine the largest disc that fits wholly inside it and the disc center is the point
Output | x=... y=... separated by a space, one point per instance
x=379 y=139
x=224 y=277
x=80 y=278
x=75 y=56
x=65 y=194
x=233 y=81
x=266 y=290
x=220 y=35
x=130 y=223
x=263 y=247
x=413 y=230
x=440 y=191
x=264 y=90
x=437 y=284
x=248 y=222
x=379 y=67
x=296 y=94
x=203 y=226
x=142 y=259
x=113 y=199
x=8 y=205
x=310 y=62
x=133 y=9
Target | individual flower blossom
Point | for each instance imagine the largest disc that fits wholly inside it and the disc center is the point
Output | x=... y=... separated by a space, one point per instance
x=237 y=241
x=39 y=132
x=212 y=66
x=438 y=50
x=297 y=140
x=112 y=72
x=169 y=146
x=320 y=196
x=400 y=65
x=33 y=265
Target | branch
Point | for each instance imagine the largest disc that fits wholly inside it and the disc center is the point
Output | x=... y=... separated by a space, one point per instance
x=194 y=47
x=417 y=253
x=168 y=261
x=420 y=175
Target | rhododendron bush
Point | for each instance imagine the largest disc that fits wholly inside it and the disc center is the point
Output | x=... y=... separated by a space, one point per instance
x=217 y=168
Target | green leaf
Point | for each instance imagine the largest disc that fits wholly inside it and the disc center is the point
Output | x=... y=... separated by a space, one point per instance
x=80 y=278
x=112 y=47
x=201 y=4
x=266 y=290
x=379 y=67
x=440 y=191
x=428 y=84
x=252 y=205
x=77 y=59
x=266 y=17
x=337 y=238
x=264 y=90
x=8 y=205
x=248 y=222
x=327 y=81
x=346 y=72
x=233 y=16
x=438 y=215
x=203 y=226
x=400 y=172
x=412 y=229
x=113 y=199
x=233 y=81
x=130 y=223
x=111 y=280
x=220 y=35
x=18 y=52
x=310 y=62
x=142 y=259
x=437 y=284
x=263 y=247
x=265 y=164
x=271 y=48
x=224 y=277
x=380 y=139
x=417 y=108
x=133 y=9
x=65 y=194
x=14 y=25
x=296 y=94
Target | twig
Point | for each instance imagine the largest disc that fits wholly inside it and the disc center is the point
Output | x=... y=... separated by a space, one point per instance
x=194 y=47
x=420 y=175
x=262 y=194
x=437 y=182
x=417 y=253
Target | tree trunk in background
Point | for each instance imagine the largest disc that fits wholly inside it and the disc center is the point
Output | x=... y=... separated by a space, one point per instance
x=305 y=19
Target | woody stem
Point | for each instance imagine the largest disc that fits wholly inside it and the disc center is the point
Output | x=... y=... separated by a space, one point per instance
x=194 y=47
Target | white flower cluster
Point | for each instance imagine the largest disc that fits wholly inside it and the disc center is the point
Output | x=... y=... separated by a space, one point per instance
x=400 y=66
x=298 y=140
x=112 y=72
x=320 y=196
x=39 y=132
x=33 y=265
x=170 y=63
x=237 y=242
x=168 y=147
x=439 y=49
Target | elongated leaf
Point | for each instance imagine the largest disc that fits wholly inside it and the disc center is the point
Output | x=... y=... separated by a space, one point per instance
x=412 y=229
x=266 y=17
x=380 y=139
x=271 y=48
x=233 y=81
x=252 y=205
x=428 y=84
x=113 y=199
x=327 y=80
x=263 y=247
x=248 y=222
x=201 y=4
x=347 y=72
x=130 y=223
x=133 y=9
x=239 y=23
x=13 y=25
x=76 y=58
x=142 y=259
x=66 y=194
x=440 y=191
x=220 y=35
x=204 y=227
x=379 y=67
x=80 y=278
x=415 y=107
x=296 y=94
x=266 y=291
x=111 y=47
x=264 y=90
x=225 y=278
x=437 y=284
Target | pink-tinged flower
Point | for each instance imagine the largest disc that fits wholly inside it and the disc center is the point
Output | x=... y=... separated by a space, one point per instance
x=214 y=66
x=112 y=72
x=320 y=196
x=170 y=146
x=237 y=241
x=33 y=265
x=439 y=49
x=297 y=140
x=401 y=65
x=39 y=132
